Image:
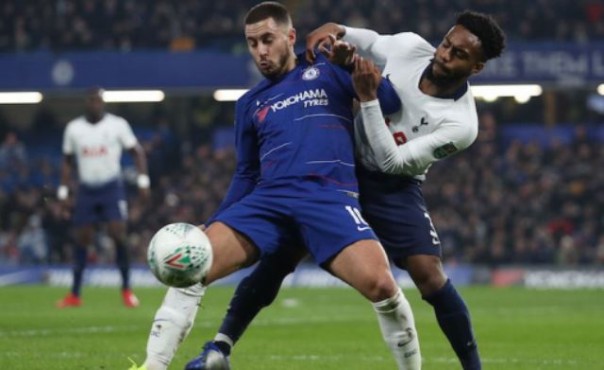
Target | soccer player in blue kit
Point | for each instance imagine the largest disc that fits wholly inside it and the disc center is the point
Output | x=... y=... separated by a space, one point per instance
x=295 y=184
x=438 y=119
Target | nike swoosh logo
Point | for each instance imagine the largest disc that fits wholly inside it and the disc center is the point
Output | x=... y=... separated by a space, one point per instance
x=363 y=228
x=410 y=353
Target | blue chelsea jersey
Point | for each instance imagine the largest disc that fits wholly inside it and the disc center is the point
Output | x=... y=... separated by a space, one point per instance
x=295 y=133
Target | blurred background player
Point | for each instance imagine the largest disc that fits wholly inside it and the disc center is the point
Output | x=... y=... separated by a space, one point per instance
x=438 y=119
x=295 y=184
x=95 y=141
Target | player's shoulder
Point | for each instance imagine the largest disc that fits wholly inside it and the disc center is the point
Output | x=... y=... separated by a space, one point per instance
x=245 y=100
x=409 y=38
x=411 y=43
x=75 y=123
x=254 y=91
x=463 y=116
x=114 y=118
x=466 y=104
x=251 y=98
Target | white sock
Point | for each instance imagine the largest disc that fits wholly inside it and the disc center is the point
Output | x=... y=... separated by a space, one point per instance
x=172 y=323
x=398 y=329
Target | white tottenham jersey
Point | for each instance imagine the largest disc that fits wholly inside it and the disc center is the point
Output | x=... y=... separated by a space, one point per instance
x=427 y=128
x=98 y=147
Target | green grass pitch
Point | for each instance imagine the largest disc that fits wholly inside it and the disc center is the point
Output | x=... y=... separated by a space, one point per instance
x=319 y=329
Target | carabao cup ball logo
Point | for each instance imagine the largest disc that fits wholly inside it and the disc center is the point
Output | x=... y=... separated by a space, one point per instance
x=183 y=266
x=180 y=259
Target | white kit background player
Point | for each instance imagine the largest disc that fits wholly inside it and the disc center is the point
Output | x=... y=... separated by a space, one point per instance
x=96 y=140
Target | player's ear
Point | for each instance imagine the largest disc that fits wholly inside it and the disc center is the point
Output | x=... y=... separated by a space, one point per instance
x=291 y=36
x=478 y=67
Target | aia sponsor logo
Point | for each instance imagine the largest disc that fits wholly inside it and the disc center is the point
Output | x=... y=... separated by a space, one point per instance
x=94 y=151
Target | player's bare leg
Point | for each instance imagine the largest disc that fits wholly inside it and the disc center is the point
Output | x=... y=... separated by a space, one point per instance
x=365 y=267
x=232 y=251
x=174 y=319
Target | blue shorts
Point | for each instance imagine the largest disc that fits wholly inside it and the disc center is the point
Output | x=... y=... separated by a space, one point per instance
x=100 y=204
x=325 y=224
x=394 y=206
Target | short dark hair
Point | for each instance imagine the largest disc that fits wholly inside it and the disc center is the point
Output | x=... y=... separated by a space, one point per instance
x=268 y=9
x=491 y=36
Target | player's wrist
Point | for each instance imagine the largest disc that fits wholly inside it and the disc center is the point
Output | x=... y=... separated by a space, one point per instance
x=143 y=181
x=369 y=103
x=340 y=30
x=62 y=192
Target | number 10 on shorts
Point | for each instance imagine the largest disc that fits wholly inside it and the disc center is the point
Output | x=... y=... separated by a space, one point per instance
x=354 y=212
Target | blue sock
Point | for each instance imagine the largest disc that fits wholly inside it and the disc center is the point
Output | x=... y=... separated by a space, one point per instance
x=454 y=320
x=122 y=260
x=80 y=254
x=253 y=293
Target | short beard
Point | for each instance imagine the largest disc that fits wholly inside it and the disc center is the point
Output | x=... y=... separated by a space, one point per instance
x=282 y=63
x=441 y=81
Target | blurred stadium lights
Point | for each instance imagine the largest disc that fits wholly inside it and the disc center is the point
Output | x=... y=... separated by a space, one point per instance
x=133 y=96
x=521 y=93
x=489 y=93
x=601 y=89
x=22 y=97
x=228 y=94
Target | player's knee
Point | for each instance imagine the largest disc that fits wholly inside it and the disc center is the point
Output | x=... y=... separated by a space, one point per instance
x=381 y=287
x=429 y=281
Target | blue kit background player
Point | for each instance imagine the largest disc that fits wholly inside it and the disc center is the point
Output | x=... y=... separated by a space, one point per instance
x=438 y=119
x=96 y=140
x=295 y=184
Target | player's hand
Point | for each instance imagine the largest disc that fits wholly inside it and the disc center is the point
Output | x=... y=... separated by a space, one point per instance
x=341 y=52
x=366 y=78
x=319 y=39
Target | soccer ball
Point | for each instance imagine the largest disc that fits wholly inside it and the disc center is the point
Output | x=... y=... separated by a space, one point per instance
x=180 y=255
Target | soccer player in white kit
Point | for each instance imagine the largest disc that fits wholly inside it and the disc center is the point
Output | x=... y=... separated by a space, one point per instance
x=96 y=140
x=438 y=119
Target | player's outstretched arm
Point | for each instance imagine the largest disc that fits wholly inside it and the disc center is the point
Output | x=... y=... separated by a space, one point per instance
x=415 y=156
x=247 y=170
x=369 y=43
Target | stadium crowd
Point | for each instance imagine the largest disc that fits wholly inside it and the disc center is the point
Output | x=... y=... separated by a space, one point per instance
x=497 y=203
x=59 y=25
